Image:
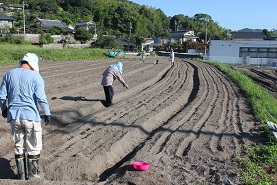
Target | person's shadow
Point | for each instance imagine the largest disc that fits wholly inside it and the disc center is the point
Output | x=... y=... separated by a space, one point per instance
x=80 y=98
x=6 y=171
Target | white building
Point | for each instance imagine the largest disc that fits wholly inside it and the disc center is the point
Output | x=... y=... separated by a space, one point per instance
x=251 y=52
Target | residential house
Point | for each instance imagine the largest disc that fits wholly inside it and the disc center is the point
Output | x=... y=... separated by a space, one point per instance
x=6 y=22
x=46 y=25
x=148 y=44
x=128 y=45
x=14 y=6
x=2 y=6
x=87 y=24
x=248 y=36
x=178 y=37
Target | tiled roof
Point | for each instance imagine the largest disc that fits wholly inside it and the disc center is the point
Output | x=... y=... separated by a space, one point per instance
x=85 y=23
x=124 y=42
x=4 y=17
x=248 y=35
x=15 y=5
x=2 y=6
x=48 y=24
x=51 y=23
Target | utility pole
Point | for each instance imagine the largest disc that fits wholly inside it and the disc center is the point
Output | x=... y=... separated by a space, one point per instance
x=206 y=31
x=206 y=19
x=130 y=36
x=131 y=28
x=23 y=6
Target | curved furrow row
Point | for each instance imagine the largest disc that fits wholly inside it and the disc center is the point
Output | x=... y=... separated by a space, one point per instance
x=144 y=101
x=65 y=103
x=169 y=131
x=231 y=132
x=199 y=117
x=264 y=75
x=172 y=127
x=203 y=129
x=79 y=77
x=221 y=107
x=84 y=111
x=114 y=147
x=205 y=144
x=188 y=121
x=234 y=122
x=65 y=68
x=237 y=122
x=274 y=72
x=53 y=135
x=209 y=150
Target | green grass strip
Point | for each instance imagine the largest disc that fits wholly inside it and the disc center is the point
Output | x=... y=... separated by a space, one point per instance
x=11 y=54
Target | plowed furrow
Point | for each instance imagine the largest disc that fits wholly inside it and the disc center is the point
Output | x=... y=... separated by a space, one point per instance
x=136 y=133
x=155 y=95
x=188 y=121
x=204 y=134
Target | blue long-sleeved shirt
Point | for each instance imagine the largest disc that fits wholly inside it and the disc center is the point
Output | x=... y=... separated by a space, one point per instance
x=24 y=90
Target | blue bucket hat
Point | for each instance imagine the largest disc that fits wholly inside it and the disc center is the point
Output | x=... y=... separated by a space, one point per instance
x=118 y=66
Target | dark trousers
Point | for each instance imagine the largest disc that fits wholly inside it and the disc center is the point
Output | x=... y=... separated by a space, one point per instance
x=109 y=92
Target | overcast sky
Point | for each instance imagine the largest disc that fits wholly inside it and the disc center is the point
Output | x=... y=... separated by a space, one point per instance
x=233 y=14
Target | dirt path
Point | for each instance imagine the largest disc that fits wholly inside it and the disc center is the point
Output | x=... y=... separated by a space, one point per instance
x=188 y=121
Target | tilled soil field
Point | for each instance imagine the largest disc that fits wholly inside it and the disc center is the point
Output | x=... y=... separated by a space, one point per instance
x=188 y=121
x=266 y=77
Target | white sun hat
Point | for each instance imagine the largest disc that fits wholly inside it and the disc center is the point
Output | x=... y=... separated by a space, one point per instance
x=32 y=59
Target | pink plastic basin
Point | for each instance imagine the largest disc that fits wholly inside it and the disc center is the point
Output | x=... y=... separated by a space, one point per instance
x=141 y=166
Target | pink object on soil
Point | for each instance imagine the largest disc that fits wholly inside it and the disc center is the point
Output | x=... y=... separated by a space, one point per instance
x=141 y=166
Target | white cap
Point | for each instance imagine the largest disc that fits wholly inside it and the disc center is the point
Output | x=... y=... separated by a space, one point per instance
x=32 y=59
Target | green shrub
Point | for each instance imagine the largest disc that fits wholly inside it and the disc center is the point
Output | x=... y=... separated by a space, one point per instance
x=49 y=39
x=13 y=40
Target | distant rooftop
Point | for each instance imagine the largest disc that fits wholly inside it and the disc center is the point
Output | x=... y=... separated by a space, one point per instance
x=45 y=22
x=5 y=17
x=248 y=35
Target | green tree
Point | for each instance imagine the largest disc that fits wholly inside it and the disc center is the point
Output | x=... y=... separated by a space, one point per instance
x=108 y=42
x=56 y=30
x=49 y=39
x=139 y=41
x=42 y=39
x=83 y=35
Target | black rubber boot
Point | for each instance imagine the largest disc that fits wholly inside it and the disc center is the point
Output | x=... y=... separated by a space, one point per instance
x=20 y=161
x=33 y=170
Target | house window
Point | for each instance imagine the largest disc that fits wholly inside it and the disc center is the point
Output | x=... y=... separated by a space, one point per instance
x=255 y=52
x=272 y=49
x=272 y=55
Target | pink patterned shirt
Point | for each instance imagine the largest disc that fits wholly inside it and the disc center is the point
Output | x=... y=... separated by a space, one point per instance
x=110 y=75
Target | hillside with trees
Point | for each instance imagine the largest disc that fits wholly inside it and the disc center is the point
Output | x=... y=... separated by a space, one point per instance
x=117 y=17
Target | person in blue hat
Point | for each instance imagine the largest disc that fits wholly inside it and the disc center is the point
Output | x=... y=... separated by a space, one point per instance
x=21 y=90
x=112 y=73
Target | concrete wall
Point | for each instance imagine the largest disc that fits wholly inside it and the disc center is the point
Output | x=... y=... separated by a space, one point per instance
x=34 y=38
x=61 y=46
